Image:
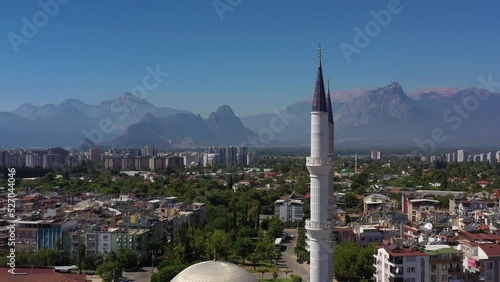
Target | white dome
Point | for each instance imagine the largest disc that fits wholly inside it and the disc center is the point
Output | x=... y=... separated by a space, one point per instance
x=214 y=271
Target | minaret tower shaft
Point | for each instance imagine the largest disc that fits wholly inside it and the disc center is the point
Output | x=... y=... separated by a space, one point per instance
x=319 y=165
x=331 y=200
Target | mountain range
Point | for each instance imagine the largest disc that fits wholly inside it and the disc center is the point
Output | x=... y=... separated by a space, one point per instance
x=385 y=117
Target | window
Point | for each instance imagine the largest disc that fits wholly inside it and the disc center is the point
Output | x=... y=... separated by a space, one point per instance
x=444 y=267
x=410 y=269
x=106 y=238
x=444 y=277
x=489 y=265
x=433 y=278
x=433 y=267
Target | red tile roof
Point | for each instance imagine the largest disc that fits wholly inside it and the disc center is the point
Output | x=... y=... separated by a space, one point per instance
x=404 y=252
x=479 y=236
x=492 y=250
x=39 y=275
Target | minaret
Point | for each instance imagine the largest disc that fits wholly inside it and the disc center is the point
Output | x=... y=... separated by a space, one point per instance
x=331 y=200
x=319 y=165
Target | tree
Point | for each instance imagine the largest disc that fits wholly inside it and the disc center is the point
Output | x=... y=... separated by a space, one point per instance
x=109 y=270
x=353 y=263
x=286 y=271
x=127 y=259
x=219 y=244
x=276 y=228
x=82 y=257
x=112 y=257
x=296 y=278
x=243 y=248
x=167 y=273
x=254 y=258
x=262 y=271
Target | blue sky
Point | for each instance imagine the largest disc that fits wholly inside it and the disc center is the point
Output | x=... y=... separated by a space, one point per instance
x=262 y=55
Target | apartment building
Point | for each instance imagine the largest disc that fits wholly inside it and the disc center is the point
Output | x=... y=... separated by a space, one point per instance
x=289 y=210
x=395 y=263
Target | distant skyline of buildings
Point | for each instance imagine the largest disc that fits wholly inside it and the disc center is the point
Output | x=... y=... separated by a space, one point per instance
x=146 y=158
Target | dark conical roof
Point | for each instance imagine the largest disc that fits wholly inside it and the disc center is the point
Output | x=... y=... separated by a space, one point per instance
x=319 y=100
x=329 y=104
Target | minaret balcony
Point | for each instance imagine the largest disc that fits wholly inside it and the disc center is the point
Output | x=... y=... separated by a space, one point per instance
x=316 y=161
x=319 y=225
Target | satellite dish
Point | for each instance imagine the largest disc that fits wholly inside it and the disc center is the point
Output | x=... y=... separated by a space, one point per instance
x=397 y=269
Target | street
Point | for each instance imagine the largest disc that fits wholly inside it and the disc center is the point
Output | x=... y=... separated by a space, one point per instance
x=289 y=259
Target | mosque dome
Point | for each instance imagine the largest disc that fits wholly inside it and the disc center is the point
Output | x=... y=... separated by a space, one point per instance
x=214 y=271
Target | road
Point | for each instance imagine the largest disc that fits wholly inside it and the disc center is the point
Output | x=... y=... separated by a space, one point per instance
x=139 y=276
x=289 y=259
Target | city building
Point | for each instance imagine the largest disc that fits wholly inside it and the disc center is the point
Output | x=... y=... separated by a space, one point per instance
x=175 y=162
x=231 y=156
x=156 y=163
x=417 y=208
x=396 y=263
x=462 y=156
x=149 y=151
x=289 y=210
x=490 y=158
x=210 y=159
x=481 y=261
x=242 y=155
x=375 y=155
x=95 y=155
x=462 y=207
x=41 y=234
x=445 y=263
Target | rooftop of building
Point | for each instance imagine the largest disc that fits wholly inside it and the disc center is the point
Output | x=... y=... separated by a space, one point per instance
x=401 y=251
x=443 y=251
x=38 y=274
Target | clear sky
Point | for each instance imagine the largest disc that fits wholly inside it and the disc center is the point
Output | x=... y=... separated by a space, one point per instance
x=261 y=55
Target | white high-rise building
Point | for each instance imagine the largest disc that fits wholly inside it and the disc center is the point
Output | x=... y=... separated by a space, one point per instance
x=319 y=165
x=462 y=156
x=489 y=158
x=242 y=155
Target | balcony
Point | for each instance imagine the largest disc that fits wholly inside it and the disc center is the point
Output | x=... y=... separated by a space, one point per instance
x=454 y=270
x=318 y=225
x=319 y=161
x=396 y=260
x=396 y=271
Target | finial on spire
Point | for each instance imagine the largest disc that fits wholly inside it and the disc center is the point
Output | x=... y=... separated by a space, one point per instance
x=319 y=54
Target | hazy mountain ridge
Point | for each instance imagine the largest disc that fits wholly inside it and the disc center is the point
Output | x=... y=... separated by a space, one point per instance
x=387 y=117
x=383 y=117
x=186 y=130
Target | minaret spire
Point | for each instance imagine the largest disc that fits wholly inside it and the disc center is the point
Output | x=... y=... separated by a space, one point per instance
x=319 y=55
x=319 y=100
x=329 y=104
